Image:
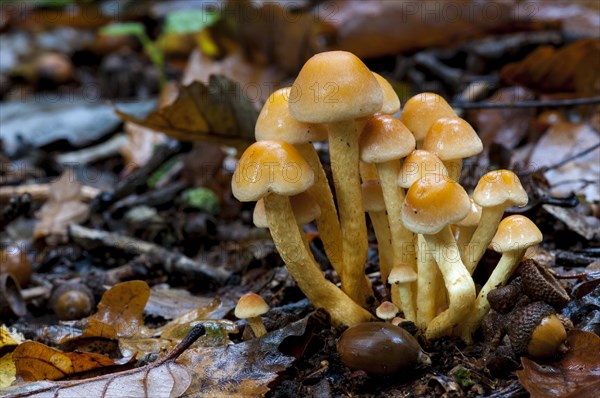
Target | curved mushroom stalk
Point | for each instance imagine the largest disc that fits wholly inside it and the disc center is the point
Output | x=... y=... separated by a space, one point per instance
x=426 y=284
x=483 y=235
x=303 y=268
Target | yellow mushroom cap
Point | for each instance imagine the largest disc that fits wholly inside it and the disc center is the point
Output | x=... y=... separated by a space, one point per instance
x=332 y=87
x=391 y=102
x=433 y=202
x=419 y=164
x=452 y=138
x=500 y=187
x=270 y=166
x=402 y=273
x=472 y=218
x=250 y=305
x=305 y=209
x=422 y=110
x=386 y=311
x=515 y=233
x=372 y=196
x=385 y=138
x=275 y=122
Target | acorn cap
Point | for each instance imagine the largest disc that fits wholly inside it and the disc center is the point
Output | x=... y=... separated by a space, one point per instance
x=372 y=196
x=539 y=285
x=332 y=87
x=500 y=188
x=275 y=122
x=391 y=102
x=535 y=323
x=402 y=273
x=418 y=164
x=386 y=311
x=270 y=166
x=422 y=110
x=472 y=218
x=250 y=305
x=503 y=299
x=452 y=138
x=384 y=139
x=433 y=202
x=305 y=209
x=515 y=232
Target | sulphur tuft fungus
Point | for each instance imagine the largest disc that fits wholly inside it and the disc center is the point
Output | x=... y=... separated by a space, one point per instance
x=386 y=311
x=337 y=88
x=401 y=280
x=250 y=307
x=419 y=164
x=305 y=209
x=431 y=204
x=391 y=102
x=422 y=111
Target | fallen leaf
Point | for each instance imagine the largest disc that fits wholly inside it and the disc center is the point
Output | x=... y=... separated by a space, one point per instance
x=569 y=69
x=169 y=303
x=8 y=372
x=576 y=374
x=139 y=147
x=65 y=206
x=246 y=369
x=35 y=361
x=219 y=112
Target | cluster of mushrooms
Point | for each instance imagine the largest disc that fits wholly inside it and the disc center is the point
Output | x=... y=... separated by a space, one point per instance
x=404 y=173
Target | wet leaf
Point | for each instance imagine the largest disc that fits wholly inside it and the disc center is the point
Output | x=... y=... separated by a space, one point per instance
x=65 y=206
x=576 y=374
x=35 y=361
x=218 y=112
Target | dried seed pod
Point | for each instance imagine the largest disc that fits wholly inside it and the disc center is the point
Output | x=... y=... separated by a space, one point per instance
x=380 y=348
x=535 y=330
x=539 y=285
x=72 y=301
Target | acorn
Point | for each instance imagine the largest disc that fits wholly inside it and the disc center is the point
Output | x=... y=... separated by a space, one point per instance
x=14 y=261
x=11 y=300
x=503 y=299
x=380 y=349
x=539 y=285
x=536 y=331
x=71 y=301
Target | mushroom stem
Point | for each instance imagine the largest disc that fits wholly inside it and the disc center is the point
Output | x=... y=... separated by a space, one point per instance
x=465 y=234
x=344 y=154
x=458 y=281
x=303 y=268
x=257 y=326
x=504 y=269
x=426 y=284
x=454 y=167
x=483 y=235
x=382 y=233
x=403 y=293
x=327 y=223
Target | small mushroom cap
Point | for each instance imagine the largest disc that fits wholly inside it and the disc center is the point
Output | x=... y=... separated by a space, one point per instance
x=385 y=138
x=270 y=166
x=305 y=209
x=473 y=217
x=500 y=188
x=386 y=311
x=402 y=273
x=275 y=122
x=433 y=202
x=372 y=196
x=250 y=305
x=515 y=233
x=332 y=87
x=391 y=102
x=452 y=138
x=422 y=110
x=419 y=164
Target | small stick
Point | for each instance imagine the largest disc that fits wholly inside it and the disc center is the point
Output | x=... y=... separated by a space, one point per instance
x=41 y=192
x=527 y=104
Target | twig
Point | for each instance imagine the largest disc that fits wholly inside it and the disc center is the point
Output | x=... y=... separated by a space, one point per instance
x=562 y=162
x=170 y=260
x=526 y=104
x=100 y=151
x=40 y=192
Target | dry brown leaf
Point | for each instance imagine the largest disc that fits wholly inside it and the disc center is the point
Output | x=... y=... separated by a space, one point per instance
x=65 y=206
x=139 y=146
x=246 y=369
x=576 y=374
x=35 y=361
x=169 y=303
x=572 y=68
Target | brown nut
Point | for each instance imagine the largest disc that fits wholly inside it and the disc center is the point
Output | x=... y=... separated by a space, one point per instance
x=14 y=261
x=11 y=301
x=539 y=285
x=535 y=330
x=380 y=348
x=504 y=298
x=72 y=301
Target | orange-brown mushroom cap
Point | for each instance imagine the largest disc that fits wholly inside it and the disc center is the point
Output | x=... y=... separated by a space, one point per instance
x=332 y=87
x=419 y=164
x=250 y=305
x=422 y=110
x=515 y=232
x=452 y=138
x=270 y=166
x=391 y=102
x=500 y=187
x=385 y=138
